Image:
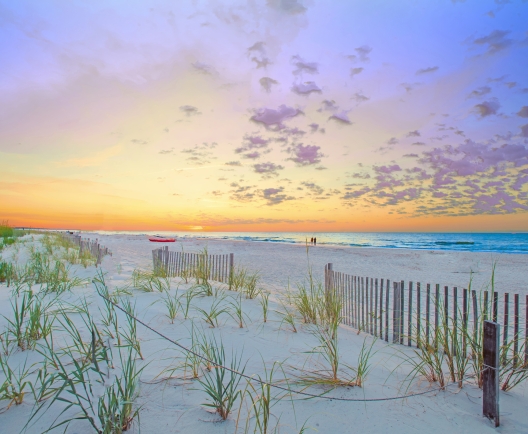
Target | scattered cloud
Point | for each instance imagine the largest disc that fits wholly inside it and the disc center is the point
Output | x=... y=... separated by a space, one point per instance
x=189 y=110
x=302 y=66
x=314 y=188
x=267 y=169
x=480 y=91
x=359 y=97
x=204 y=68
x=200 y=154
x=496 y=41
x=341 y=118
x=487 y=108
x=414 y=133
x=276 y=117
x=275 y=196
x=267 y=83
x=290 y=7
x=306 y=88
x=427 y=70
x=305 y=155
x=356 y=71
x=329 y=105
x=523 y=112
x=362 y=54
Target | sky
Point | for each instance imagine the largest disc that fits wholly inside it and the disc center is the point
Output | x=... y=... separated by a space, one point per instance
x=265 y=115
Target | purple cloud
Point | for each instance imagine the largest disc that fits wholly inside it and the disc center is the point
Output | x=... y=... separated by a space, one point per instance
x=314 y=127
x=523 y=112
x=359 y=97
x=341 y=118
x=427 y=70
x=480 y=91
x=496 y=41
x=252 y=142
x=414 y=133
x=387 y=169
x=306 y=88
x=472 y=158
x=356 y=71
x=233 y=163
x=204 y=68
x=303 y=66
x=274 y=196
x=362 y=54
x=267 y=83
x=524 y=130
x=487 y=108
x=270 y=117
x=305 y=155
x=190 y=110
x=329 y=105
x=267 y=169
x=314 y=188
x=355 y=193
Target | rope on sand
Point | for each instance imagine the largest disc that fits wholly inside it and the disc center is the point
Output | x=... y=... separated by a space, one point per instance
x=276 y=386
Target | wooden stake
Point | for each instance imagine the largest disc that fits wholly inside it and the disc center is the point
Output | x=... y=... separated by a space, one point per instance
x=490 y=375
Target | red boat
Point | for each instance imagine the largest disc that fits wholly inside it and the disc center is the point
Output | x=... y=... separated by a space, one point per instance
x=162 y=240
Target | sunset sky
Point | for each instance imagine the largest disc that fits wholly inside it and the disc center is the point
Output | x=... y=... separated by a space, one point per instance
x=276 y=115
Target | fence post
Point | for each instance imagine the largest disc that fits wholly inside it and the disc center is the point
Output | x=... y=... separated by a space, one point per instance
x=396 y=313
x=490 y=375
x=231 y=268
x=330 y=276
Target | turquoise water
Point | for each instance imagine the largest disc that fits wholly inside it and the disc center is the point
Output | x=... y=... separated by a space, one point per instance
x=476 y=242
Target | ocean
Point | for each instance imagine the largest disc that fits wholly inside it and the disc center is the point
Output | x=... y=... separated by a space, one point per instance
x=474 y=242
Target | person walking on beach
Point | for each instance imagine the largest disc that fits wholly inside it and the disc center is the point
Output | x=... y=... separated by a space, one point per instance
x=311 y=240
x=314 y=241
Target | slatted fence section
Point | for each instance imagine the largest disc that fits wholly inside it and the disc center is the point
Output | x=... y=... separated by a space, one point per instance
x=414 y=313
x=216 y=267
x=86 y=245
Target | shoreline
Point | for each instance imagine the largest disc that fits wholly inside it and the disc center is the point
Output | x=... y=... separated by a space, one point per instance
x=281 y=264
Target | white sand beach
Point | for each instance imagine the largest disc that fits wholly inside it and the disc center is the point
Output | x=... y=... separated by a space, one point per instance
x=176 y=404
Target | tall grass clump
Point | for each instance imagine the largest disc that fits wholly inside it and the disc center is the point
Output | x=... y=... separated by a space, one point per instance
x=13 y=388
x=173 y=305
x=220 y=384
x=454 y=354
x=245 y=281
x=130 y=334
x=444 y=358
x=264 y=303
x=332 y=371
x=236 y=311
x=108 y=408
x=30 y=320
x=7 y=272
x=262 y=400
x=150 y=281
x=212 y=315
x=201 y=273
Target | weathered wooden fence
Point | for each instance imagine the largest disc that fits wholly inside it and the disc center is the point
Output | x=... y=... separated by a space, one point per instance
x=413 y=313
x=216 y=267
x=86 y=245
